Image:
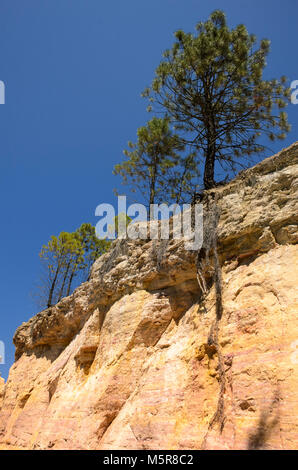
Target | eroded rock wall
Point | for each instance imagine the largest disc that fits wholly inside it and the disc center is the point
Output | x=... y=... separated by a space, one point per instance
x=126 y=361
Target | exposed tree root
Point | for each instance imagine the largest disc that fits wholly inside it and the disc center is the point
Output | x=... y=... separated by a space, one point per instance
x=203 y=266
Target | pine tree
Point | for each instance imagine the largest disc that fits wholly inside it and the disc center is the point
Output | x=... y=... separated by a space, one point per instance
x=59 y=255
x=66 y=257
x=211 y=86
x=74 y=257
x=150 y=160
x=92 y=247
x=119 y=225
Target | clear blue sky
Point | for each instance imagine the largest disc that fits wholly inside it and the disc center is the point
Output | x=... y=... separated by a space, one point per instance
x=73 y=71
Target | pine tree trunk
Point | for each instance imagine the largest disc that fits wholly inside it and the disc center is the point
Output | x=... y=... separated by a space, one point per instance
x=209 y=168
x=64 y=281
x=69 y=284
x=210 y=152
x=153 y=182
x=53 y=287
x=152 y=194
x=210 y=155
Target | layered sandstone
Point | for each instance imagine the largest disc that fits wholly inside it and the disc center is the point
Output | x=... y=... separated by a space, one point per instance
x=126 y=361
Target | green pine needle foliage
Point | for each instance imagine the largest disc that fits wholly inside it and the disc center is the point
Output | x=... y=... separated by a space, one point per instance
x=210 y=84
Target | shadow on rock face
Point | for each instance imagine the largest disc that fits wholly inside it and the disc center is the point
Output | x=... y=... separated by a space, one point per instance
x=268 y=420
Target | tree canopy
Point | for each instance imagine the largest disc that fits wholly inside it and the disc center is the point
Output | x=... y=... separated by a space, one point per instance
x=211 y=86
x=66 y=257
x=155 y=165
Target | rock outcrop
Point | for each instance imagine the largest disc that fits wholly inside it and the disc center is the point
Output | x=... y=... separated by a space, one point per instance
x=2 y=385
x=128 y=360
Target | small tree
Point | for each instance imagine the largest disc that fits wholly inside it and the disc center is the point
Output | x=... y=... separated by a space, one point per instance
x=180 y=181
x=120 y=224
x=211 y=86
x=66 y=257
x=150 y=160
x=59 y=255
x=92 y=247
x=74 y=257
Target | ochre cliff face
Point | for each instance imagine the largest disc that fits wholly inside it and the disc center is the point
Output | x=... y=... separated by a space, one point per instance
x=125 y=362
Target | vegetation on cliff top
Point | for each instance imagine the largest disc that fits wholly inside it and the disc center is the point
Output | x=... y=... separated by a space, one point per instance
x=215 y=105
x=209 y=87
x=66 y=257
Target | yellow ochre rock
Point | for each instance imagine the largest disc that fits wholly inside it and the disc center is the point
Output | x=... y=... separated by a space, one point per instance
x=126 y=361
